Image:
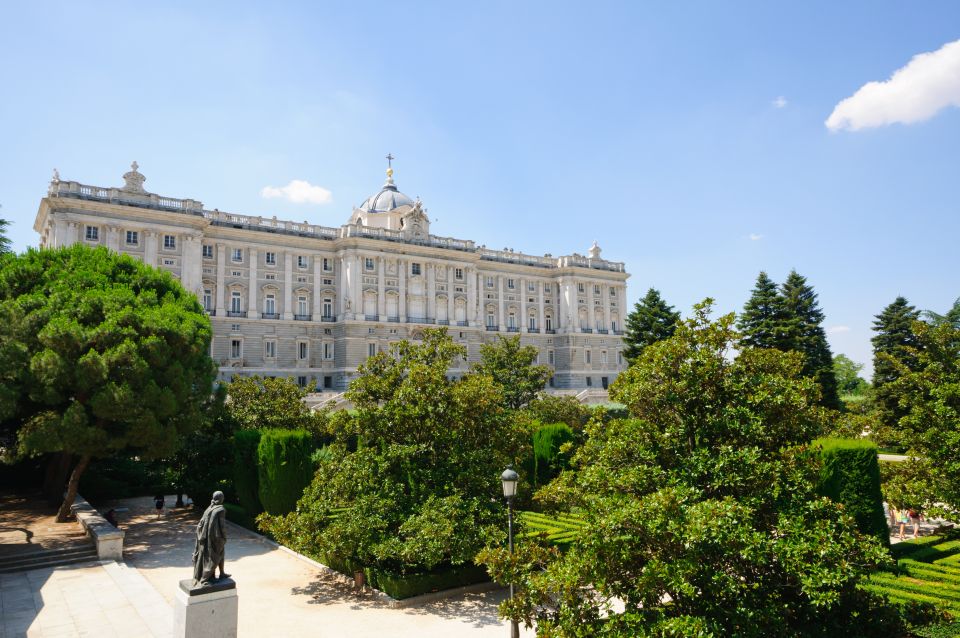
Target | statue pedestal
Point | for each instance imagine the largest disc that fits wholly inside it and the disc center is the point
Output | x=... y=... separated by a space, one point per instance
x=206 y=612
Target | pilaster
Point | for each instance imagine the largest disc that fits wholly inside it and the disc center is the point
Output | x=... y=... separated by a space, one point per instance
x=253 y=307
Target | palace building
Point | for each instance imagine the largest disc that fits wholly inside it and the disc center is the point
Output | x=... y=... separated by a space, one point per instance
x=313 y=302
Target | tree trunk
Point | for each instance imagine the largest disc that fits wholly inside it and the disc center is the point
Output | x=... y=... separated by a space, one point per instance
x=64 y=514
x=55 y=476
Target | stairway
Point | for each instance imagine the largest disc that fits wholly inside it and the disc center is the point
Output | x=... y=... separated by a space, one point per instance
x=66 y=555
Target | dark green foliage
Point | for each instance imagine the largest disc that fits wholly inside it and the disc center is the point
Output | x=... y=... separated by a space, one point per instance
x=651 y=320
x=512 y=367
x=804 y=333
x=558 y=529
x=851 y=476
x=895 y=351
x=245 y=472
x=123 y=477
x=400 y=586
x=284 y=468
x=100 y=355
x=5 y=245
x=762 y=319
x=271 y=402
x=548 y=459
x=549 y=408
x=237 y=514
x=847 y=373
x=951 y=317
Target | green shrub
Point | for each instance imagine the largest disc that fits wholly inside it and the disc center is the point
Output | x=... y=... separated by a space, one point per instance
x=246 y=484
x=851 y=476
x=284 y=468
x=548 y=459
x=236 y=514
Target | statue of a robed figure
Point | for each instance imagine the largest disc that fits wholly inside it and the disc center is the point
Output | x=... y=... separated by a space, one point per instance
x=208 y=553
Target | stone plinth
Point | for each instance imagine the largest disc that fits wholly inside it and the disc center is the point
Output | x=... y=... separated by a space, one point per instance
x=206 y=612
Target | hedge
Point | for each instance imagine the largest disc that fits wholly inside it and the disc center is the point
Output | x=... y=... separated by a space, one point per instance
x=400 y=586
x=547 y=458
x=851 y=476
x=245 y=480
x=284 y=468
x=236 y=514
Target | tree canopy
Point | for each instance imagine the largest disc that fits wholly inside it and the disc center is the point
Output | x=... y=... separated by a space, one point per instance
x=269 y=403
x=895 y=351
x=512 y=366
x=761 y=322
x=101 y=354
x=847 y=373
x=410 y=481
x=804 y=333
x=650 y=321
x=952 y=316
x=701 y=512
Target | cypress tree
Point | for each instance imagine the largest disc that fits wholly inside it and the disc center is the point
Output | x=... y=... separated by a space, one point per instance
x=761 y=322
x=894 y=345
x=651 y=320
x=802 y=331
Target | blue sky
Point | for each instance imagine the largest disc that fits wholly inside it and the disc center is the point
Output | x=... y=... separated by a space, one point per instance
x=688 y=139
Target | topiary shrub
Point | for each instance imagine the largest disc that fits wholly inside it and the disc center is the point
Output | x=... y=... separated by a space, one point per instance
x=284 y=468
x=245 y=480
x=851 y=476
x=548 y=460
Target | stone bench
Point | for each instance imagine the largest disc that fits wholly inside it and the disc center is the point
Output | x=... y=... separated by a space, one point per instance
x=109 y=539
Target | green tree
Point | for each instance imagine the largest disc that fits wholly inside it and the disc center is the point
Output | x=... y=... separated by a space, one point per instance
x=513 y=367
x=895 y=351
x=952 y=316
x=701 y=512
x=847 y=373
x=410 y=480
x=762 y=320
x=110 y=355
x=269 y=403
x=803 y=332
x=651 y=320
x=6 y=247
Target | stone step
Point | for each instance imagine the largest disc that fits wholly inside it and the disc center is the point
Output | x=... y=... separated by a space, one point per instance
x=48 y=558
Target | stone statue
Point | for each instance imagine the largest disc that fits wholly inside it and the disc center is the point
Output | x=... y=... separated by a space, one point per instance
x=211 y=539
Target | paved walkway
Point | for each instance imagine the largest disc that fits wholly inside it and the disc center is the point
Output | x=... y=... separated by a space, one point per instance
x=28 y=525
x=280 y=595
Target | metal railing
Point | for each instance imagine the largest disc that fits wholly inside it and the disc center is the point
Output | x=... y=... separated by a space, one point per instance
x=237 y=313
x=302 y=317
x=270 y=315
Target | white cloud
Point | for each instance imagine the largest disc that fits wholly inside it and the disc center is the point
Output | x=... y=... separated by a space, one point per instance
x=780 y=102
x=755 y=237
x=298 y=191
x=832 y=330
x=929 y=83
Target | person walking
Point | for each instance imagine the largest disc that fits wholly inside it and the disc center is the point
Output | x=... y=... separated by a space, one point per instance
x=915 y=518
x=903 y=517
x=158 y=503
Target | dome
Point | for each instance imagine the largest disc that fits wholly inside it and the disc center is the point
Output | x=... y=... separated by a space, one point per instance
x=387 y=199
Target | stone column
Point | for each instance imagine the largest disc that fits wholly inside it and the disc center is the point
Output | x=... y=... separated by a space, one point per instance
x=451 y=308
x=541 y=324
x=253 y=308
x=431 y=291
x=500 y=301
x=150 y=247
x=524 y=327
x=317 y=270
x=356 y=290
x=60 y=226
x=402 y=290
x=605 y=291
x=113 y=238
x=288 y=286
x=221 y=275
x=191 y=270
x=73 y=233
x=471 y=297
x=343 y=290
x=382 y=290
x=591 y=306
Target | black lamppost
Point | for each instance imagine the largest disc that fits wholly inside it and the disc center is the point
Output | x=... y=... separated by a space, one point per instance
x=509 y=479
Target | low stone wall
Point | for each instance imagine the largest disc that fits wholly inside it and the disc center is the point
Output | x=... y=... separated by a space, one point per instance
x=109 y=539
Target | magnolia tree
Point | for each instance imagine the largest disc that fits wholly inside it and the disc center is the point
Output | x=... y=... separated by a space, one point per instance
x=101 y=355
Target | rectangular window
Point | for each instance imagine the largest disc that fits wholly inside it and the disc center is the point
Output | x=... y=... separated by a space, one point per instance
x=613 y=292
x=414 y=268
x=270 y=349
x=546 y=289
x=371 y=349
x=327 y=382
x=270 y=276
x=603 y=358
x=491 y=320
x=596 y=289
x=270 y=258
x=169 y=242
x=510 y=284
x=531 y=286
x=92 y=233
x=302 y=382
x=619 y=358
x=235 y=301
x=326 y=264
x=328 y=351
x=589 y=382
x=327 y=308
x=207 y=251
x=302 y=350
x=302 y=305
x=368 y=263
x=532 y=322
x=236 y=273
x=458 y=273
x=237 y=254
x=133 y=238
x=550 y=357
x=489 y=282
x=207 y=299
x=236 y=348
x=270 y=305
x=580 y=287
x=169 y=262
x=301 y=261
x=328 y=282
x=588 y=356
x=548 y=323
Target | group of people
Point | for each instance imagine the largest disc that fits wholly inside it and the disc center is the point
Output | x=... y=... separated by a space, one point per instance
x=900 y=518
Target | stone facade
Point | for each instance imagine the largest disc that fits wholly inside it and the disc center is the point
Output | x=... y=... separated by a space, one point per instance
x=313 y=302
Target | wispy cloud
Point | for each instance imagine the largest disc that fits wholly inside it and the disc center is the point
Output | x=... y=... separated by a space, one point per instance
x=780 y=102
x=832 y=330
x=298 y=191
x=929 y=83
x=754 y=237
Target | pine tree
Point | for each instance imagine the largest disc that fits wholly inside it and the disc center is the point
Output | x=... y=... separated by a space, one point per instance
x=894 y=346
x=652 y=320
x=803 y=332
x=761 y=322
x=951 y=317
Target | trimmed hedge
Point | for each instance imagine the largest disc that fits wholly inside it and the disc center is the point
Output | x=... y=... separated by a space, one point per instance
x=851 y=476
x=236 y=514
x=285 y=468
x=547 y=458
x=245 y=480
x=400 y=586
